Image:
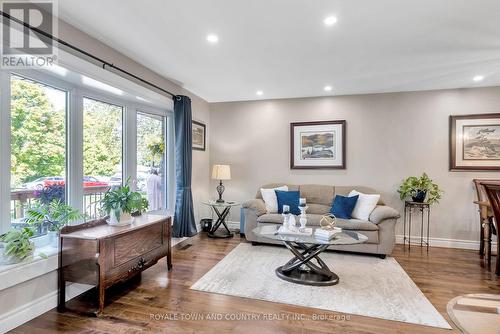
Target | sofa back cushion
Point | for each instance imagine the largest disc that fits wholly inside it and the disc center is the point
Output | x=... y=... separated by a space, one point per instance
x=320 y=197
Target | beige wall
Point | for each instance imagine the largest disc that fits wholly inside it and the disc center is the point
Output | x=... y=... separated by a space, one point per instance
x=389 y=137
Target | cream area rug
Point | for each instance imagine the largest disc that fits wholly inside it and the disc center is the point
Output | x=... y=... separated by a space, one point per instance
x=369 y=286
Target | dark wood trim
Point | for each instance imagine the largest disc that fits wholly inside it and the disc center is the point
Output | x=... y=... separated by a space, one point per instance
x=453 y=142
x=344 y=139
x=204 y=136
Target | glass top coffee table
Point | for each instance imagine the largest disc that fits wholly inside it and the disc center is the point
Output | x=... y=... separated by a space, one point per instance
x=301 y=269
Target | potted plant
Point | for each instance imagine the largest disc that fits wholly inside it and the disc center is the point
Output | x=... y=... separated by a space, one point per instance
x=119 y=203
x=54 y=216
x=16 y=246
x=143 y=206
x=419 y=189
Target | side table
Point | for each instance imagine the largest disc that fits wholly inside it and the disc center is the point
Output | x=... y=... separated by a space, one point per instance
x=221 y=209
x=423 y=208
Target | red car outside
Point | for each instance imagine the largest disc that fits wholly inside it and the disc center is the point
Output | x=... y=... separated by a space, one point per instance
x=88 y=181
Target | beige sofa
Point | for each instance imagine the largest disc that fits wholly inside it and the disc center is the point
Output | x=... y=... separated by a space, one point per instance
x=380 y=228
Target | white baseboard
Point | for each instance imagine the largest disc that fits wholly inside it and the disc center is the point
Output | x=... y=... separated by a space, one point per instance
x=33 y=309
x=448 y=243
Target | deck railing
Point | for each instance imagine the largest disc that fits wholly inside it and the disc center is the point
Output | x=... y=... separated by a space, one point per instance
x=22 y=199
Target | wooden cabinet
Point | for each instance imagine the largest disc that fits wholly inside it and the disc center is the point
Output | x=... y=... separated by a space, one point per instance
x=102 y=255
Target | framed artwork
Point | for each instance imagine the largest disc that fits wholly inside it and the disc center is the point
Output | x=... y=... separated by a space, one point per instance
x=318 y=145
x=199 y=136
x=475 y=142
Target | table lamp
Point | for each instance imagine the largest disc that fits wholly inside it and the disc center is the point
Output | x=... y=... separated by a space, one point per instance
x=221 y=172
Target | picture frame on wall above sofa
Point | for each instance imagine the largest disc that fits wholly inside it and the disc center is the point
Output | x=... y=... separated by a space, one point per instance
x=318 y=145
x=475 y=142
x=199 y=136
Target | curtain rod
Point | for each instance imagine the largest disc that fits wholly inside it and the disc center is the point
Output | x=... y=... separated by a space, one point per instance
x=85 y=53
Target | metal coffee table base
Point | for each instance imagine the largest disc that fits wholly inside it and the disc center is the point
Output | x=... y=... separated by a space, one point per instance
x=301 y=270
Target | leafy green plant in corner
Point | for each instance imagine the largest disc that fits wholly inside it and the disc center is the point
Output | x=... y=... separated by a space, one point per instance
x=122 y=199
x=17 y=244
x=54 y=215
x=413 y=185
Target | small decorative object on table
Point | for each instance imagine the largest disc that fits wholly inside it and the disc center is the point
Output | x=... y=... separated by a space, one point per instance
x=322 y=234
x=221 y=172
x=303 y=218
x=119 y=203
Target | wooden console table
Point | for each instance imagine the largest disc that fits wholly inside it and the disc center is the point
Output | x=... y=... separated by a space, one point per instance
x=98 y=254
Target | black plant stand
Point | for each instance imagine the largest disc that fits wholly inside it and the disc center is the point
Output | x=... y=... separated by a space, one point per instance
x=425 y=210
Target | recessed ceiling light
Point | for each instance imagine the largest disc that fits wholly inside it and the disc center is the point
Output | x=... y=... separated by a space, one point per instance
x=259 y=93
x=478 y=78
x=330 y=20
x=328 y=88
x=212 y=38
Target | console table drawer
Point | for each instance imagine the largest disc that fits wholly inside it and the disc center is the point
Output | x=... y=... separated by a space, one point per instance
x=133 y=245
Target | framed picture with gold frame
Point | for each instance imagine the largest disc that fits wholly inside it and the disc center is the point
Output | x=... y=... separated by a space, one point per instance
x=475 y=142
x=318 y=145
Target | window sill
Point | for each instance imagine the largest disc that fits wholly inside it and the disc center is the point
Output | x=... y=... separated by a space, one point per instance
x=13 y=274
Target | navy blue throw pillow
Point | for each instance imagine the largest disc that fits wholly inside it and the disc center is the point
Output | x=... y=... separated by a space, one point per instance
x=342 y=206
x=290 y=198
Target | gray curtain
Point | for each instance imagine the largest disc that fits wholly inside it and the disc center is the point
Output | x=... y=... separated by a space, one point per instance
x=184 y=223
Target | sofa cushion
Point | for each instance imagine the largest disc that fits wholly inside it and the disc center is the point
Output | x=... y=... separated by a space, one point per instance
x=318 y=209
x=342 y=206
x=289 y=198
x=345 y=190
x=314 y=220
x=356 y=225
x=269 y=197
x=317 y=194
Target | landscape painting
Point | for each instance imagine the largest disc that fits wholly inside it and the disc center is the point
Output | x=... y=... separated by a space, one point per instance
x=481 y=142
x=199 y=136
x=475 y=142
x=318 y=145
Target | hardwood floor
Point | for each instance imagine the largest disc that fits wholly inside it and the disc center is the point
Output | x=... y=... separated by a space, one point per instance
x=138 y=307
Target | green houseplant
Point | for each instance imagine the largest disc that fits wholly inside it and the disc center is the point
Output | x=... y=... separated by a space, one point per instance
x=16 y=246
x=54 y=215
x=120 y=202
x=419 y=189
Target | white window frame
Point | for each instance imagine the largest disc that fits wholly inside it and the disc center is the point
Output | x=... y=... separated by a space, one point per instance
x=74 y=141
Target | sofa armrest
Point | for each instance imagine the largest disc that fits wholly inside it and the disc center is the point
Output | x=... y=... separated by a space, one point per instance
x=257 y=205
x=383 y=212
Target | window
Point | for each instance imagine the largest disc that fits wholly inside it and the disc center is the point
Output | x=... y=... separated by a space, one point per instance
x=151 y=159
x=78 y=139
x=102 y=152
x=37 y=145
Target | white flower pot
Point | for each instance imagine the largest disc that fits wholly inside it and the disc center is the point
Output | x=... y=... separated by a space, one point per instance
x=124 y=219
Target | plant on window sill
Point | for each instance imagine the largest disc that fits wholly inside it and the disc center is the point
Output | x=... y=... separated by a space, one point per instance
x=16 y=246
x=54 y=215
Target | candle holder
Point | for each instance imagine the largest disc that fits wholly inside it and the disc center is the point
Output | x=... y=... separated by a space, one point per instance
x=286 y=218
x=303 y=218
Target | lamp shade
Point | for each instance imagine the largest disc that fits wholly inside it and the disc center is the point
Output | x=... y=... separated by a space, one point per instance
x=221 y=172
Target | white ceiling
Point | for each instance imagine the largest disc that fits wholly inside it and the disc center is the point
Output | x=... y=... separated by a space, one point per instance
x=283 y=48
